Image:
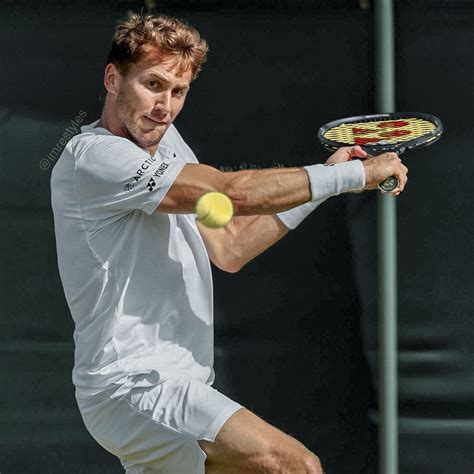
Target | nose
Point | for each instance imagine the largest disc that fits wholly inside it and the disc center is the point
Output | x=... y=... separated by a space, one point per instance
x=163 y=103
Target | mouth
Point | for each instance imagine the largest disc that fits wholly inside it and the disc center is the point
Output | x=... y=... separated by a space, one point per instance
x=157 y=122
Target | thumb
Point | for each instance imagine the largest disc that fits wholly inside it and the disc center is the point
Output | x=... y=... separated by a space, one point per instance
x=357 y=151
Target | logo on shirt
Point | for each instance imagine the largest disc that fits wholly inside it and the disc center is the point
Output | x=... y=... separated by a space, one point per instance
x=161 y=170
x=129 y=186
x=157 y=174
x=151 y=184
x=139 y=173
x=143 y=167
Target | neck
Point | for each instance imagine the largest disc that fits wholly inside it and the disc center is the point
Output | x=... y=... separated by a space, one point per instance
x=109 y=120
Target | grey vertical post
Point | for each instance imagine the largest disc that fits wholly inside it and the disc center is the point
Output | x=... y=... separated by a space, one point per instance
x=387 y=230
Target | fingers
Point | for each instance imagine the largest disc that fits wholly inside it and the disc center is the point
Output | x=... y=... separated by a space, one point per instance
x=384 y=165
x=354 y=152
x=346 y=153
x=358 y=151
x=400 y=172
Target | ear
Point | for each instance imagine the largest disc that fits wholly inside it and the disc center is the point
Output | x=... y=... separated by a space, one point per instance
x=111 y=79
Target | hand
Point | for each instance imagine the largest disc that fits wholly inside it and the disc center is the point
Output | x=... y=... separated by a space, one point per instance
x=379 y=168
x=346 y=153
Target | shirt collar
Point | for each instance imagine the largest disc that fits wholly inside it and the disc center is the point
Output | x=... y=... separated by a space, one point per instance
x=165 y=151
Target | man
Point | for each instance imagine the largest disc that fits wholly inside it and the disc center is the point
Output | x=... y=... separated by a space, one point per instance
x=134 y=263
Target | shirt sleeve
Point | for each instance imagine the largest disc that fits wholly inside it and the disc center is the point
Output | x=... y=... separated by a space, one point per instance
x=112 y=174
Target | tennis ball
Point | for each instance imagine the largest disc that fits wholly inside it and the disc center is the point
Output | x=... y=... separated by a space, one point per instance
x=214 y=210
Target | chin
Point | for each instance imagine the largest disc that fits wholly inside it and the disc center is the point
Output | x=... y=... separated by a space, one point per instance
x=145 y=138
x=150 y=138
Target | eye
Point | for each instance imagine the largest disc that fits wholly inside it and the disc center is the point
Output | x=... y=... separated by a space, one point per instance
x=152 y=83
x=178 y=92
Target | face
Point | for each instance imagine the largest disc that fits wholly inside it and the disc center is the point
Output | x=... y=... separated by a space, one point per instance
x=149 y=97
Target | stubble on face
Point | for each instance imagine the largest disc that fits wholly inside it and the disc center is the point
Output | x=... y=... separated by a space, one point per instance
x=130 y=118
x=133 y=102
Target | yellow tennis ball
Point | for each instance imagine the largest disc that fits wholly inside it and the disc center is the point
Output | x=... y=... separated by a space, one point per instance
x=214 y=210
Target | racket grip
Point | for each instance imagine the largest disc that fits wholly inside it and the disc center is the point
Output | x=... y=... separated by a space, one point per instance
x=389 y=184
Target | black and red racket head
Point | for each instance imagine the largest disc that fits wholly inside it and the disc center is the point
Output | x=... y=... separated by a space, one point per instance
x=381 y=133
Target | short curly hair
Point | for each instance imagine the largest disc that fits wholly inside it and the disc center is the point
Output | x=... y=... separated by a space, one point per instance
x=171 y=35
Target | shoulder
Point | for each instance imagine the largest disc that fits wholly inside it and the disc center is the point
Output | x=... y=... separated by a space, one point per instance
x=88 y=142
x=108 y=156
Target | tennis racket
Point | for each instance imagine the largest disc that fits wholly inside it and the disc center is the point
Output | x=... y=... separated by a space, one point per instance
x=380 y=133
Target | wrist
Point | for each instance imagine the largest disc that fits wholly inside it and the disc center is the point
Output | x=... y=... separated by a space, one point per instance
x=331 y=180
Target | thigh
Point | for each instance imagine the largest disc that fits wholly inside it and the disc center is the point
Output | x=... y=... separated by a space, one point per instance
x=247 y=443
x=154 y=424
x=141 y=444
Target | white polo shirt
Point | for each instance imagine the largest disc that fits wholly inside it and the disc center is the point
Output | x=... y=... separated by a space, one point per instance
x=137 y=281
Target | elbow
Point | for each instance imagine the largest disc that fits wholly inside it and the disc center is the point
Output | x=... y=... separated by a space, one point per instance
x=229 y=265
x=231 y=269
x=234 y=268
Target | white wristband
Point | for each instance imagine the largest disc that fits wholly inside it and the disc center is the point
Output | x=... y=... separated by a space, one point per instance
x=294 y=217
x=325 y=181
x=331 y=180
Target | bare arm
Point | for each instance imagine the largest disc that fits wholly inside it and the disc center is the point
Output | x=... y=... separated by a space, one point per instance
x=268 y=191
x=253 y=192
x=258 y=195
x=244 y=238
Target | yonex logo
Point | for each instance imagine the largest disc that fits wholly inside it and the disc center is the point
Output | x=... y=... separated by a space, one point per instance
x=161 y=170
x=151 y=184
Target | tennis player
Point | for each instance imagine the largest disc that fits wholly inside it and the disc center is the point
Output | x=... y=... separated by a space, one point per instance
x=134 y=263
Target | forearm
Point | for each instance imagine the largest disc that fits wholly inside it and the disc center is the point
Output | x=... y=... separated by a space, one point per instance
x=268 y=191
x=253 y=192
x=244 y=238
x=275 y=190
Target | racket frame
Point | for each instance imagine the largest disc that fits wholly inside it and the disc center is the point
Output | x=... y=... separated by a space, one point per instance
x=376 y=149
x=373 y=149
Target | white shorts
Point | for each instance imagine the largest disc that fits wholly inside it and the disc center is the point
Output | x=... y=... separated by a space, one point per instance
x=152 y=423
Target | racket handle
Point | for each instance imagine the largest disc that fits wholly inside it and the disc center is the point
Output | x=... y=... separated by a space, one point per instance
x=388 y=184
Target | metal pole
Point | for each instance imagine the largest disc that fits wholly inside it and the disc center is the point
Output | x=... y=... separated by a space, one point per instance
x=387 y=229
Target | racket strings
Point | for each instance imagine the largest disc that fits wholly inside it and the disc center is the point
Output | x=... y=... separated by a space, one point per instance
x=389 y=131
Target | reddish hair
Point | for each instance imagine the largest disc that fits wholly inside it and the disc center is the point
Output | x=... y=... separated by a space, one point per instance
x=171 y=35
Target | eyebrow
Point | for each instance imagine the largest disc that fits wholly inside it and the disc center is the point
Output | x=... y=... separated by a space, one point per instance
x=163 y=78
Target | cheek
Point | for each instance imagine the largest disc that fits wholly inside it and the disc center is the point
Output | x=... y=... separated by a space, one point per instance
x=137 y=97
x=125 y=99
x=176 y=107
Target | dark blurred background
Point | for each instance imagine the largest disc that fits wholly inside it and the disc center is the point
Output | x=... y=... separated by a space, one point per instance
x=296 y=329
